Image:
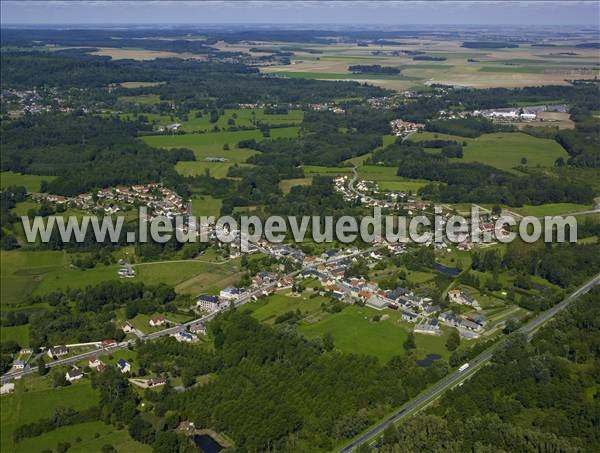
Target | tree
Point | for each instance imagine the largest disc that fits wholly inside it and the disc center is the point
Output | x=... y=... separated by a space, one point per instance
x=328 y=341
x=410 y=342
x=453 y=340
x=523 y=160
x=41 y=364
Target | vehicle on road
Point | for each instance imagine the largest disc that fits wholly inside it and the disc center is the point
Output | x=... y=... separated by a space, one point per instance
x=463 y=367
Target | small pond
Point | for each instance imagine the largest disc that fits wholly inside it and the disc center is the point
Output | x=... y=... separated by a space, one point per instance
x=207 y=444
x=449 y=271
x=428 y=360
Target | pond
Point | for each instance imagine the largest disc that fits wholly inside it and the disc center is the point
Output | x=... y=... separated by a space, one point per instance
x=428 y=360
x=207 y=444
x=449 y=271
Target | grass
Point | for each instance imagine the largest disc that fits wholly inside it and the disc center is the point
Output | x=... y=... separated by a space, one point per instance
x=266 y=310
x=287 y=184
x=340 y=76
x=84 y=437
x=513 y=69
x=354 y=331
x=142 y=99
x=20 y=334
x=387 y=180
x=503 y=150
x=211 y=144
x=205 y=205
x=311 y=170
x=245 y=118
x=551 y=209
x=33 y=399
x=30 y=182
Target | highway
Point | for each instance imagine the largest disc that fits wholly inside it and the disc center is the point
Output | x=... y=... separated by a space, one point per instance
x=474 y=365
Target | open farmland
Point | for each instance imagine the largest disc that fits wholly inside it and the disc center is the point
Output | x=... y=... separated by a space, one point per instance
x=142 y=54
x=30 y=182
x=242 y=118
x=503 y=150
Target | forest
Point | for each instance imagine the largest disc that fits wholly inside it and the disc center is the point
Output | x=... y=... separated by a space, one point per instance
x=539 y=396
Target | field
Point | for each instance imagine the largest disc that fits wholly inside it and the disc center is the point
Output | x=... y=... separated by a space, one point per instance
x=311 y=170
x=243 y=118
x=503 y=150
x=30 y=182
x=205 y=205
x=35 y=273
x=387 y=180
x=142 y=99
x=287 y=184
x=266 y=310
x=142 y=54
x=354 y=331
x=551 y=209
x=33 y=399
x=20 y=334
x=478 y=68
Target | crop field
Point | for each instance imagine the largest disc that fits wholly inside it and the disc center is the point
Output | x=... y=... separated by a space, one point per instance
x=142 y=54
x=30 y=182
x=479 y=68
x=242 y=118
x=503 y=150
x=33 y=399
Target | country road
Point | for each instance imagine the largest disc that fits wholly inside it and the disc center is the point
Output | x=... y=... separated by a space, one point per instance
x=474 y=365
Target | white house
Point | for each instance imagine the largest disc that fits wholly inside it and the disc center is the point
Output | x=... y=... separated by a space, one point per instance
x=123 y=366
x=157 y=320
x=207 y=302
x=229 y=293
x=73 y=375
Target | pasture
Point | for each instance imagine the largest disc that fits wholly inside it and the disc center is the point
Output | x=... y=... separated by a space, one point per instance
x=268 y=309
x=387 y=179
x=503 y=150
x=241 y=118
x=30 y=182
x=287 y=184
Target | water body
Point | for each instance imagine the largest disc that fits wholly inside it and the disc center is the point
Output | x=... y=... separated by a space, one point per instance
x=449 y=271
x=207 y=444
x=428 y=360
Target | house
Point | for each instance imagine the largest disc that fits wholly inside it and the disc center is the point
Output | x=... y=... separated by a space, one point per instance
x=73 y=375
x=409 y=316
x=123 y=366
x=431 y=328
x=207 y=302
x=156 y=381
x=450 y=319
x=157 y=320
x=94 y=362
x=127 y=328
x=377 y=302
x=126 y=271
x=229 y=293
x=57 y=351
x=108 y=343
x=184 y=336
x=460 y=297
x=431 y=309
x=18 y=364
x=198 y=328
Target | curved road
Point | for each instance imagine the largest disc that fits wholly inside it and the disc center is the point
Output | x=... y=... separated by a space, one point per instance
x=474 y=365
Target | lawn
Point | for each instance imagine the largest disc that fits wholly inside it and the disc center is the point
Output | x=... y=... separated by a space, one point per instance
x=354 y=331
x=33 y=400
x=30 y=182
x=205 y=205
x=503 y=150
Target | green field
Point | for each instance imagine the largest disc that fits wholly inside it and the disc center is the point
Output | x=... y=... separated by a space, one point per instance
x=142 y=99
x=30 y=182
x=245 y=118
x=503 y=150
x=211 y=144
x=35 y=273
x=387 y=180
x=266 y=310
x=354 y=331
x=33 y=399
x=341 y=76
x=551 y=209
x=20 y=334
x=287 y=184
x=311 y=170
x=205 y=205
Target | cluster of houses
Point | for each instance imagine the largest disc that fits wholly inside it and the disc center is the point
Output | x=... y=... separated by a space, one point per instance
x=158 y=199
x=169 y=127
x=401 y=128
x=33 y=101
x=211 y=303
x=126 y=271
x=98 y=365
x=327 y=107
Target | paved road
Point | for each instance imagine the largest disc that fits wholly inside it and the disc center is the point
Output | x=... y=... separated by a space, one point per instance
x=246 y=297
x=474 y=365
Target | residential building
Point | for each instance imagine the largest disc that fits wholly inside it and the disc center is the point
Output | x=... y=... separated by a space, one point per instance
x=229 y=293
x=57 y=351
x=18 y=364
x=207 y=302
x=377 y=302
x=157 y=320
x=73 y=375
x=123 y=366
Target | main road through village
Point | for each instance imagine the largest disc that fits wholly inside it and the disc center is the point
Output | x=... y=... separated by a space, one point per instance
x=476 y=364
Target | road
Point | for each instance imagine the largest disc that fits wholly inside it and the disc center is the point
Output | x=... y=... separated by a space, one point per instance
x=474 y=365
x=246 y=297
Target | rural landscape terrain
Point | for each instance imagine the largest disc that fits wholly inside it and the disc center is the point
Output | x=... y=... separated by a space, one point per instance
x=314 y=346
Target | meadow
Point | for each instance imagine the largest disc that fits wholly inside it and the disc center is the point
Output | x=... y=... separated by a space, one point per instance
x=269 y=308
x=30 y=182
x=387 y=179
x=503 y=150
x=242 y=118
